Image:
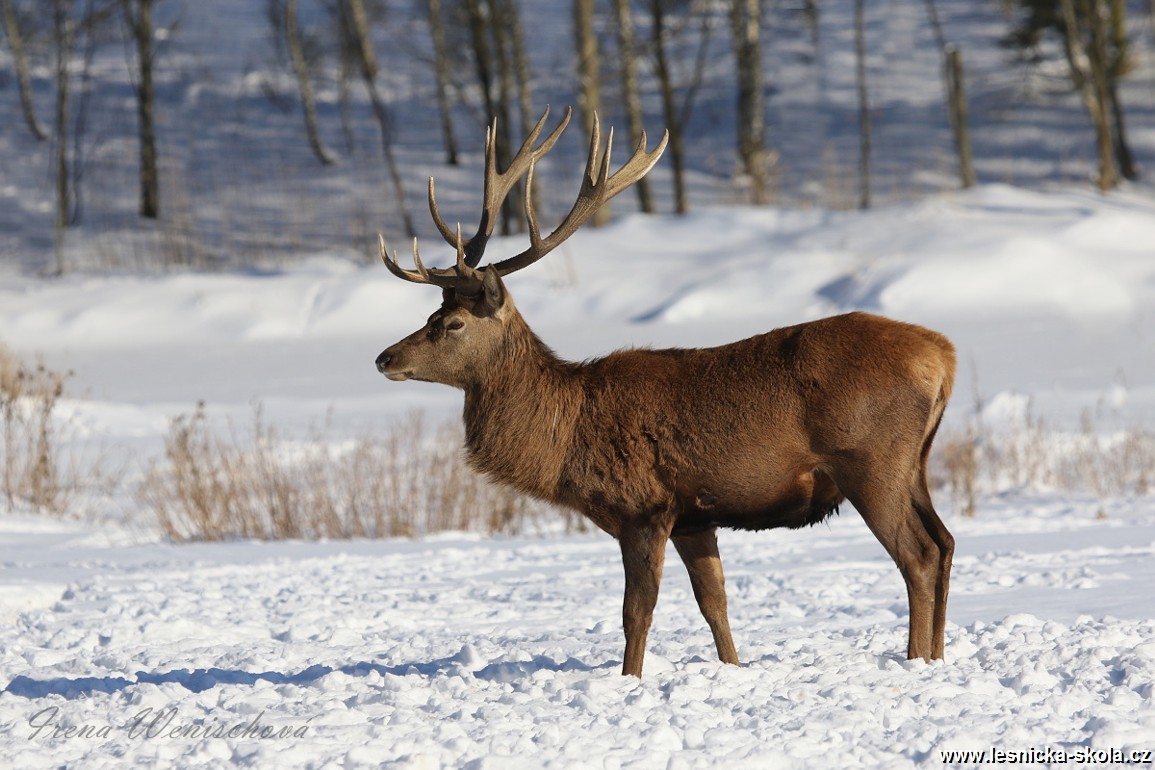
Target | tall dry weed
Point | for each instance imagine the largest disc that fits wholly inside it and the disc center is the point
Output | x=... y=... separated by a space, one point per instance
x=34 y=473
x=1026 y=453
x=412 y=481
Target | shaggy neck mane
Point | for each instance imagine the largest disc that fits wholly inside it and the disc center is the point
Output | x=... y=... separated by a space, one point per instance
x=520 y=414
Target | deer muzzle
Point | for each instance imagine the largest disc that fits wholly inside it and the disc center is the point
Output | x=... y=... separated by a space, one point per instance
x=385 y=365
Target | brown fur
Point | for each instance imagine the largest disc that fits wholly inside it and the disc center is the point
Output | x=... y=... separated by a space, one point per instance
x=771 y=431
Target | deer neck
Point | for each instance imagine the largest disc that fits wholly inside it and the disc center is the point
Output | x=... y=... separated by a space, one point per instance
x=520 y=415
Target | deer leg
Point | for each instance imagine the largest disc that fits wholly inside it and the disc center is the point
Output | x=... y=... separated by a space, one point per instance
x=890 y=512
x=699 y=553
x=643 y=553
x=945 y=542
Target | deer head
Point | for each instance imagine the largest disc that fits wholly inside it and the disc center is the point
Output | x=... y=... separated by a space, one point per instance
x=468 y=330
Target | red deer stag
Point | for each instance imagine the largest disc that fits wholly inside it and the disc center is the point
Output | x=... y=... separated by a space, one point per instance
x=772 y=431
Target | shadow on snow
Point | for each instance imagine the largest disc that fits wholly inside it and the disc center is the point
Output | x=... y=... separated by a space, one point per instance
x=201 y=679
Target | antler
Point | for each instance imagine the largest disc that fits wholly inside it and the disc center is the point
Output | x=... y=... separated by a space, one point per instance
x=597 y=187
x=445 y=278
x=497 y=185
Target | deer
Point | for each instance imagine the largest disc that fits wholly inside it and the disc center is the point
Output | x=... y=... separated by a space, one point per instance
x=657 y=445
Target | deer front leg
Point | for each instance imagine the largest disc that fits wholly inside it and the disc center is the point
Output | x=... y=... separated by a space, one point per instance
x=699 y=553
x=643 y=552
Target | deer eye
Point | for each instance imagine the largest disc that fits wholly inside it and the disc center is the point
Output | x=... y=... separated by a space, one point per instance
x=454 y=325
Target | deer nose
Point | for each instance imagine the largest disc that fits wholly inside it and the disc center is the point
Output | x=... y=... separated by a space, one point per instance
x=383 y=361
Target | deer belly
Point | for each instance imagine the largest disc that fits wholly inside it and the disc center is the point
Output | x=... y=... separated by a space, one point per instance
x=808 y=498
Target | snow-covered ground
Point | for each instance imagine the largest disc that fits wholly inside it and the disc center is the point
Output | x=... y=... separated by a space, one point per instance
x=457 y=652
x=119 y=649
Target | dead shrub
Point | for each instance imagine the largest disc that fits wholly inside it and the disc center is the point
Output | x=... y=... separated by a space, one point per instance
x=1026 y=454
x=33 y=471
x=410 y=482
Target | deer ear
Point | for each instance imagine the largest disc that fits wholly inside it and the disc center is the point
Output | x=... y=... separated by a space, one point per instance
x=448 y=295
x=493 y=293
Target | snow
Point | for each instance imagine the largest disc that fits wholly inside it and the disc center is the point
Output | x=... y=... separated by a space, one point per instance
x=461 y=651
x=385 y=656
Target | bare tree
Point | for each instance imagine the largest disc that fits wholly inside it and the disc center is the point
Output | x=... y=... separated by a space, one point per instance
x=628 y=64
x=502 y=68
x=1116 y=55
x=589 y=79
x=63 y=34
x=347 y=68
x=284 y=20
x=956 y=98
x=138 y=18
x=16 y=43
x=746 y=25
x=1088 y=70
x=1095 y=42
x=864 y=125
x=441 y=69
x=677 y=115
x=511 y=23
x=359 y=43
x=669 y=108
x=959 y=114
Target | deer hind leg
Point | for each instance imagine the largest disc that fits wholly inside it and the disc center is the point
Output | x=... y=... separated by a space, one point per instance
x=945 y=542
x=699 y=553
x=643 y=547
x=905 y=523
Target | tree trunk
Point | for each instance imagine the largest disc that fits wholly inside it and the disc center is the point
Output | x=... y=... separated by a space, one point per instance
x=521 y=71
x=589 y=80
x=627 y=51
x=502 y=12
x=348 y=62
x=138 y=18
x=669 y=108
x=366 y=58
x=441 y=70
x=479 y=40
x=16 y=42
x=62 y=33
x=304 y=85
x=959 y=115
x=1123 y=154
x=487 y=36
x=864 y=124
x=746 y=23
x=1092 y=85
x=1115 y=71
x=957 y=112
x=522 y=78
x=1097 y=58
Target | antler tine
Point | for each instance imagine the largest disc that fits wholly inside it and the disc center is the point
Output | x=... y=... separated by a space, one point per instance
x=442 y=278
x=497 y=184
x=638 y=165
x=597 y=187
x=442 y=227
x=463 y=268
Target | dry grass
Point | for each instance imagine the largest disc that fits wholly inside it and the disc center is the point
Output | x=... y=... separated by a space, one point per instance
x=33 y=471
x=411 y=482
x=1026 y=454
